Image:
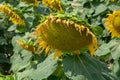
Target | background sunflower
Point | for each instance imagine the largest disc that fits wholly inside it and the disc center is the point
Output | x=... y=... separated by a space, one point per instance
x=113 y=24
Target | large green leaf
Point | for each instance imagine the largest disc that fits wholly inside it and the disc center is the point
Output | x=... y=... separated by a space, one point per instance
x=115 y=49
x=112 y=47
x=110 y=76
x=116 y=68
x=99 y=9
x=21 y=58
x=42 y=70
x=84 y=66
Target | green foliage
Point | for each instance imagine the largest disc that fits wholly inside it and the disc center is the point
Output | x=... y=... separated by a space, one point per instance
x=111 y=49
x=8 y=77
x=83 y=66
x=19 y=64
x=39 y=71
x=116 y=67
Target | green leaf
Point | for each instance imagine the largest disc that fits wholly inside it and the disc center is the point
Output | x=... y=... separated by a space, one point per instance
x=115 y=52
x=103 y=50
x=42 y=10
x=116 y=67
x=112 y=47
x=115 y=49
x=83 y=66
x=113 y=7
x=16 y=48
x=23 y=4
x=12 y=28
x=20 y=60
x=97 y=30
x=109 y=76
x=29 y=20
x=2 y=77
x=79 y=77
x=42 y=70
x=99 y=9
x=3 y=41
x=7 y=77
x=112 y=43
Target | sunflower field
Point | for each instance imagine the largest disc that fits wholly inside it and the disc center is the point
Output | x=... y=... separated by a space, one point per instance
x=59 y=39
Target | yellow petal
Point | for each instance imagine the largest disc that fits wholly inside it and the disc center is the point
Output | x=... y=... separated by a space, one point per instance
x=91 y=49
x=57 y=53
x=47 y=49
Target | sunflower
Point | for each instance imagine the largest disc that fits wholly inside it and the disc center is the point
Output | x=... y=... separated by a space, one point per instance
x=26 y=45
x=112 y=23
x=53 y=4
x=34 y=2
x=14 y=17
x=64 y=35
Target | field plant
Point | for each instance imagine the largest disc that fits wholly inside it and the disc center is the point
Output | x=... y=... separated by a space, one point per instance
x=59 y=39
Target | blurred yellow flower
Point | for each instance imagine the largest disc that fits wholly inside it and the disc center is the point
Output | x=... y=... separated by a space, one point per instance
x=26 y=46
x=113 y=24
x=35 y=2
x=53 y=4
x=110 y=1
x=63 y=35
x=14 y=17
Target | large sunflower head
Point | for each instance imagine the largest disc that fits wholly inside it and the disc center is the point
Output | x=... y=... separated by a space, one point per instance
x=63 y=35
x=113 y=24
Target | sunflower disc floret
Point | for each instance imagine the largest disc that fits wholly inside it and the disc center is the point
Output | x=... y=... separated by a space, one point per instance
x=63 y=35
